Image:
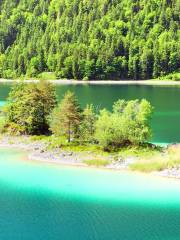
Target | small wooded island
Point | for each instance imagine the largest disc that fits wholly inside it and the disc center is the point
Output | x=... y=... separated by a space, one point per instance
x=62 y=132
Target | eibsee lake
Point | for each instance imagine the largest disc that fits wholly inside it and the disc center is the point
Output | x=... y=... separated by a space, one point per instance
x=41 y=201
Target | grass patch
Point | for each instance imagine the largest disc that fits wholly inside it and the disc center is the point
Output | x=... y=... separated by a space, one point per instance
x=170 y=159
x=149 y=158
x=55 y=142
x=47 y=76
x=97 y=162
x=91 y=149
x=38 y=138
x=149 y=166
x=139 y=151
x=61 y=142
x=96 y=150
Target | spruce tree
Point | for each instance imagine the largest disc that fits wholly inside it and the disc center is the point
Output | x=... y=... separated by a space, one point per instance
x=87 y=127
x=66 y=118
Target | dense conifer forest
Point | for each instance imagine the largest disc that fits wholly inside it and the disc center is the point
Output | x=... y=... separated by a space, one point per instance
x=89 y=39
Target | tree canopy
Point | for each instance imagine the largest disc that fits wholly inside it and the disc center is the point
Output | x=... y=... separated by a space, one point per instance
x=29 y=107
x=89 y=39
x=66 y=118
x=128 y=124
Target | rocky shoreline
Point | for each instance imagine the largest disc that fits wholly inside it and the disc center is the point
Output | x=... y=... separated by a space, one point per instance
x=37 y=151
x=170 y=173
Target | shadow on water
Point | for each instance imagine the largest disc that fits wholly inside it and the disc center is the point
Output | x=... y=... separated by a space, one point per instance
x=48 y=218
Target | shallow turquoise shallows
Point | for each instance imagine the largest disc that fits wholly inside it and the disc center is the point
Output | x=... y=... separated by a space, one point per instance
x=165 y=99
x=40 y=201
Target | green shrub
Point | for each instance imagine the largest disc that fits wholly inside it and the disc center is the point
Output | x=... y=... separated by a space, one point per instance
x=2 y=124
x=14 y=128
x=128 y=124
x=97 y=162
x=171 y=76
x=47 y=76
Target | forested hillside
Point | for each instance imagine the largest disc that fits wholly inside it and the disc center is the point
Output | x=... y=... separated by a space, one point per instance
x=89 y=39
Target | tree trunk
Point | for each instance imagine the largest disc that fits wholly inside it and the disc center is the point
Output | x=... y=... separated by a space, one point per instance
x=69 y=133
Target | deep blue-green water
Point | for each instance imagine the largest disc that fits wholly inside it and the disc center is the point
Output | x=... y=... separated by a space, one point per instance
x=40 y=201
x=165 y=99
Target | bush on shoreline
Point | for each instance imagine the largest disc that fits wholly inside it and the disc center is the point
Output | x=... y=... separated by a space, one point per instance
x=172 y=76
x=128 y=124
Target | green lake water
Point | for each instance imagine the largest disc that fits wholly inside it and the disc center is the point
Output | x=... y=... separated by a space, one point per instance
x=165 y=99
x=40 y=201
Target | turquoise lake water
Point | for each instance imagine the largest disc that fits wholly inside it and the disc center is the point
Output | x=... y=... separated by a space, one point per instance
x=39 y=201
x=165 y=99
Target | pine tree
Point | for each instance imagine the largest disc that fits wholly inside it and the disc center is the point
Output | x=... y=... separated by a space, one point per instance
x=87 y=127
x=66 y=117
